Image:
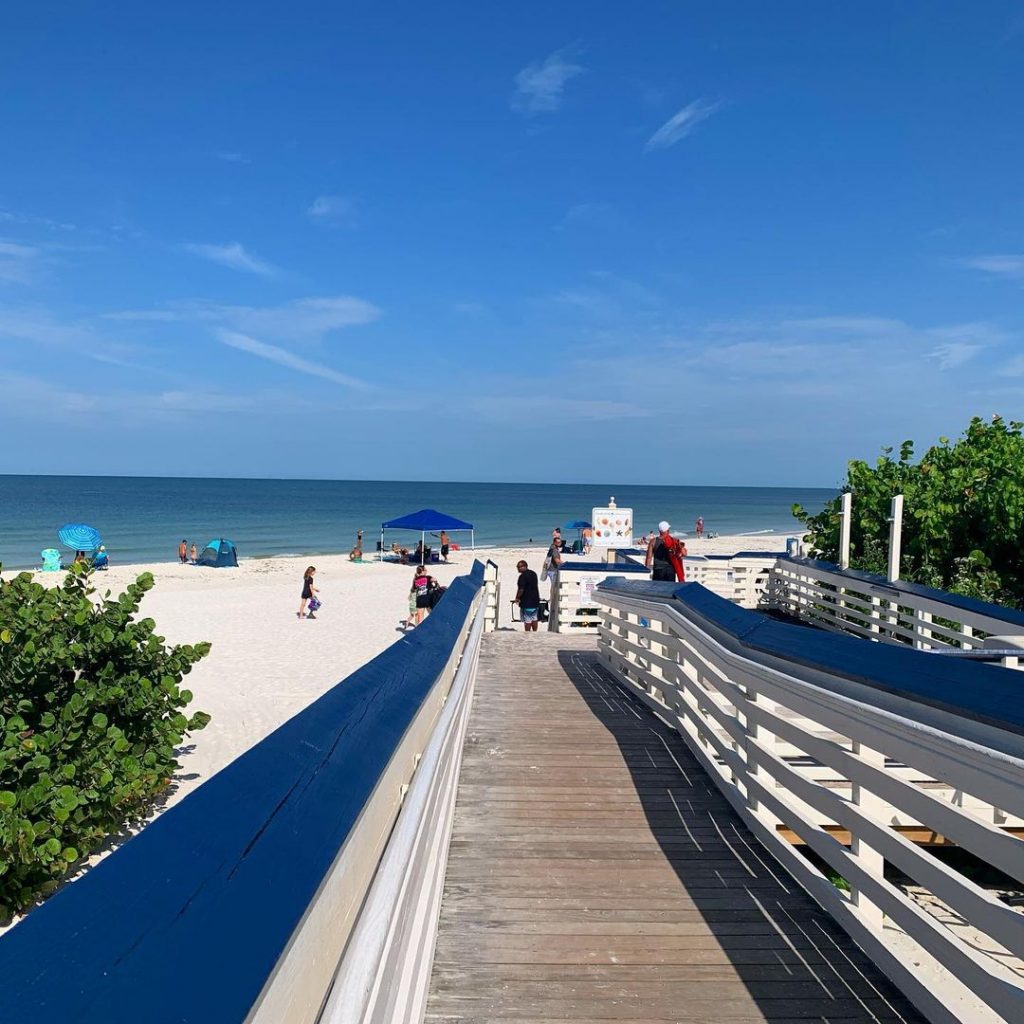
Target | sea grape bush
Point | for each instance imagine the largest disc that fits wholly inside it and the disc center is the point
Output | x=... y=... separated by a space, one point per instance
x=963 y=520
x=91 y=711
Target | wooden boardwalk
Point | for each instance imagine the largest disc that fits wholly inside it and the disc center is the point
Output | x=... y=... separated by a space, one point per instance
x=596 y=873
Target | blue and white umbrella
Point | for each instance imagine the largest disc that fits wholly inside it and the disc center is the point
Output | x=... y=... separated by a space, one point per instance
x=79 y=537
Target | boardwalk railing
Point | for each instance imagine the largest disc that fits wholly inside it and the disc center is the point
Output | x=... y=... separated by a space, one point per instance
x=239 y=903
x=824 y=738
x=896 y=612
x=572 y=604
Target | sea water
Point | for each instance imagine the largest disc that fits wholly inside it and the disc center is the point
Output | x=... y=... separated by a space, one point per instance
x=142 y=519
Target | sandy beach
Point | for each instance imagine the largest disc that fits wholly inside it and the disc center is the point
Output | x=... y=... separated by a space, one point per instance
x=265 y=664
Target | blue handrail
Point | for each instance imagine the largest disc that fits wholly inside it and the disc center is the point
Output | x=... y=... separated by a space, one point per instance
x=185 y=921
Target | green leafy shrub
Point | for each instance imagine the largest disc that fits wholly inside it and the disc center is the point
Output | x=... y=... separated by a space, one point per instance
x=963 y=518
x=91 y=712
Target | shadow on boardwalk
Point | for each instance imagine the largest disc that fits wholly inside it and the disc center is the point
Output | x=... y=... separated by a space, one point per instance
x=756 y=925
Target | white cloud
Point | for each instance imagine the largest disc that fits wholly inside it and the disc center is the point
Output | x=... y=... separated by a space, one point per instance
x=954 y=354
x=681 y=124
x=1004 y=265
x=330 y=210
x=283 y=357
x=232 y=158
x=19 y=264
x=539 y=86
x=232 y=255
x=301 y=320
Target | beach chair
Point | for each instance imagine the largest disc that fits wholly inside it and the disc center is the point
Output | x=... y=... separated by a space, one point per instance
x=101 y=560
x=51 y=560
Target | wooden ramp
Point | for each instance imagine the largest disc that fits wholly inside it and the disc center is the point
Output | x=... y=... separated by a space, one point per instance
x=595 y=872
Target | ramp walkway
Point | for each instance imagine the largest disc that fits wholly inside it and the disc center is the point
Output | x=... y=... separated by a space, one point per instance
x=596 y=873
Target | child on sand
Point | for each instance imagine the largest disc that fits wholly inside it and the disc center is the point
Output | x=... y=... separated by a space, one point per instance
x=308 y=590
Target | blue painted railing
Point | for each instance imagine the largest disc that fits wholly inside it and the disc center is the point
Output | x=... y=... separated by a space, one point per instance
x=969 y=689
x=186 y=921
x=1011 y=616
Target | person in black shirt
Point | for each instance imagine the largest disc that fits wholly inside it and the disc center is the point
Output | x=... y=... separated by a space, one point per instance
x=665 y=555
x=528 y=597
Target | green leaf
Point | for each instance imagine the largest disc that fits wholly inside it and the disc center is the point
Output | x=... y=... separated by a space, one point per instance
x=8 y=799
x=100 y=721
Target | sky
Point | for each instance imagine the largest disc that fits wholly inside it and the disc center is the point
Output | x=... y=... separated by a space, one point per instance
x=677 y=243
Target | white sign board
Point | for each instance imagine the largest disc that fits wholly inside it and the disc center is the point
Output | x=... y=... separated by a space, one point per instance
x=613 y=527
x=587 y=585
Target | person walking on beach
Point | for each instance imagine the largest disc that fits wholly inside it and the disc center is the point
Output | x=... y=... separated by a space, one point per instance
x=308 y=592
x=699 y=527
x=443 y=538
x=588 y=537
x=183 y=551
x=528 y=597
x=421 y=591
x=665 y=555
x=195 y=554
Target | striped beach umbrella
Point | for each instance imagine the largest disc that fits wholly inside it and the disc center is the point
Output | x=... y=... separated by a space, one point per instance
x=79 y=537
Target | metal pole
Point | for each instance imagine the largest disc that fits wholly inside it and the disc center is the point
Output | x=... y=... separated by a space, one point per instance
x=845 y=515
x=895 y=536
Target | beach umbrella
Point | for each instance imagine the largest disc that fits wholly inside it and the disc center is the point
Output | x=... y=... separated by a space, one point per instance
x=577 y=524
x=79 y=537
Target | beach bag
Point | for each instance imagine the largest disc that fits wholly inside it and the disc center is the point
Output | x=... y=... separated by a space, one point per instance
x=436 y=593
x=314 y=604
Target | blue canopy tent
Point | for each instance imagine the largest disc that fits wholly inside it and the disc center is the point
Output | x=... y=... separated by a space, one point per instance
x=427 y=520
x=219 y=553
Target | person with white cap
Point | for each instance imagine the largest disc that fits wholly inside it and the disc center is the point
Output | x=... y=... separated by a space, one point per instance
x=665 y=555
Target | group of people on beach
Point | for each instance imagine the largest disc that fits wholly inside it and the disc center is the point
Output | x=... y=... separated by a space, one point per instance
x=184 y=556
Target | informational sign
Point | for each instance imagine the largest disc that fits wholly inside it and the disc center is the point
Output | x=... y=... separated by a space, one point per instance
x=587 y=585
x=613 y=527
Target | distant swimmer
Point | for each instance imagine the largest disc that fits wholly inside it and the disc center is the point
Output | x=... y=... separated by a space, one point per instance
x=699 y=527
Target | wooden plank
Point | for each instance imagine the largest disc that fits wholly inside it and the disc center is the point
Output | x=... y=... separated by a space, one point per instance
x=596 y=873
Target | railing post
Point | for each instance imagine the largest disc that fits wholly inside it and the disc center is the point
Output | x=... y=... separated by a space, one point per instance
x=895 y=536
x=870 y=859
x=492 y=590
x=845 y=515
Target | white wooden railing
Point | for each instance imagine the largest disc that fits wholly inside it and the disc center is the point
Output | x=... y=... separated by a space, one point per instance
x=805 y=753
x=896 y=612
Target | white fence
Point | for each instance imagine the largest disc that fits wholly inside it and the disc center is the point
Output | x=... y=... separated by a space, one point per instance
x=891 y=612
x=808 y=753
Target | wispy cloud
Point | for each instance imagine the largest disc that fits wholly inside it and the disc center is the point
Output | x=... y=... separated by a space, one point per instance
x=682 y=124
x=333 y=210
x=954 y=354
x=276 y=354
x=599 y=215
x=232 y=158
x=302 y=320
x=10 y=217
x=1004 y=265
x=232 y=255
x=19 y=264
x=540 y=86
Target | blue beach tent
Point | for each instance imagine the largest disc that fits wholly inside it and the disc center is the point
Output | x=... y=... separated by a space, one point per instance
x=219 y=553
x=427 y=520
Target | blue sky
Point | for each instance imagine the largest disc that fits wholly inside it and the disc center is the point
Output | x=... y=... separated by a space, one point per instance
x=675 y=243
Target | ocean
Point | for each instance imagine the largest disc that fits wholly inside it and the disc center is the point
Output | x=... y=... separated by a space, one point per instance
x=142 y=519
